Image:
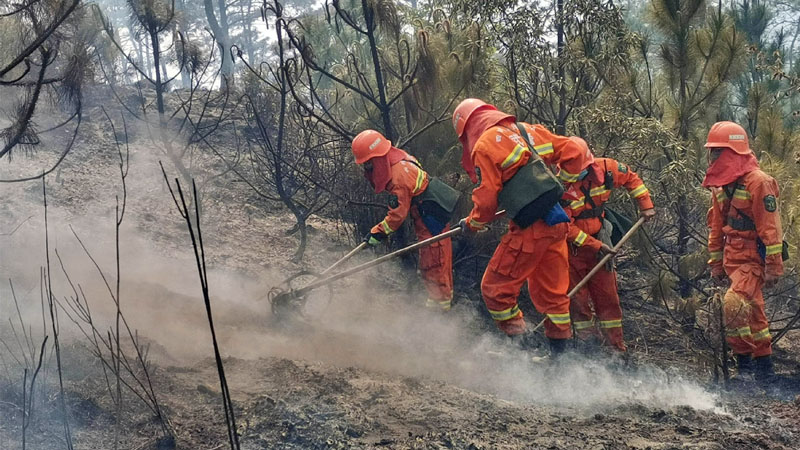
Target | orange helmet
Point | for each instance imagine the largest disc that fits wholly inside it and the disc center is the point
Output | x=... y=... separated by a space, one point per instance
x=370 y=144
x=728 y=135
x=588 y=156
x=464 y=110
x=589 y=166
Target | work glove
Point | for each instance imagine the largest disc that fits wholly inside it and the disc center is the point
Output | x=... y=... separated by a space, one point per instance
x=648 y=214
x=465 y=229
x=374 y=239
x=770 y=280
x=718 y=277
x=606 y=249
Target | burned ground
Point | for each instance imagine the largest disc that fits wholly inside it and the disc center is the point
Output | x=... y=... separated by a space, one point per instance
x=366 y=368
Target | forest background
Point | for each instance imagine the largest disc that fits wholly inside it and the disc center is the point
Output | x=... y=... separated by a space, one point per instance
x=272 y=93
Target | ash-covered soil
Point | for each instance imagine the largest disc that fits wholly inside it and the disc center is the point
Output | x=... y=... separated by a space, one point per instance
x=368 y=367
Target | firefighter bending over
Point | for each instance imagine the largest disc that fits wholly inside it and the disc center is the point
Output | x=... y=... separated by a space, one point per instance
x=597 y=304
x=512 y=159
x=429 y=201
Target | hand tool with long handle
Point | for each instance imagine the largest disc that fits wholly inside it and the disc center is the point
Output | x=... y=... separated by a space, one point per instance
x=338 y=263
x=280 y=298
x=599 y=265
x=322 y=282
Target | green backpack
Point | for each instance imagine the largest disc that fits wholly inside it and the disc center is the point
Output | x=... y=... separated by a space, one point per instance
x=532 y=192
x=439 y=200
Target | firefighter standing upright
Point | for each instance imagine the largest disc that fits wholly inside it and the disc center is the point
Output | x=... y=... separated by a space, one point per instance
x=511 y=157
x=590 y=238
x=745 y=243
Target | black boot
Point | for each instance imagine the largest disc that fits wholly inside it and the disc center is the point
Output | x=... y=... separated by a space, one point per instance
x=557 y=347
x=774 y=385
x=744 y=368
x=516 y=340
x=763 y=370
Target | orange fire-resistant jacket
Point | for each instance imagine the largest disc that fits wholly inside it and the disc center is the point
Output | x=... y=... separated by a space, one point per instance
x=582 y=229
x=501 y=151
x=744 y=212
x=408 y=180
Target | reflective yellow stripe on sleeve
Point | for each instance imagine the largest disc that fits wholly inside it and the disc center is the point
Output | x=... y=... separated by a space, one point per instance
x=774 y=249
x=600 y=190
x=476 y=224
x=611 y=323
x=761 y=335
x=576 y=204
x=544 y=149
x=580 y=238
x=386 y=228
x=715 y=256
x=741 y=194
x=568 y=177
x=514 y=156
x=722 y=196
x=639 y=191
x=420 y=180
x=559 y=319
x=505 y=314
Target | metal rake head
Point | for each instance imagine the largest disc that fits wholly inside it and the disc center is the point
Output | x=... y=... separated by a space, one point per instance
x=287 y=301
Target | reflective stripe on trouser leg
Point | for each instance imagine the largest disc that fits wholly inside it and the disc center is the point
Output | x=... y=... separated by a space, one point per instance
x=606 y=324
x=737 y=323
x=516 y=257
x=580 y=305
x=505 y=314
x=603 y=291
x=583 y=324
x=761 y=334
x=744 y=303
x=759 y=326
x=443 y=304
x=560 y=319
x=549 y=282
x=435 y=263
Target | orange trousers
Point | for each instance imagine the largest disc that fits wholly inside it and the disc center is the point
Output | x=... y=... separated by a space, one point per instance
x=538 y=255
x=435 y=265
x=746 y=323
x=598 y=298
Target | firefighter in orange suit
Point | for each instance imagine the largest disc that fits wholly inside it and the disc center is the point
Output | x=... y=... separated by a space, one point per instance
x=494 y=145
x=390 y=169
x=745 y=243
x=584 y=203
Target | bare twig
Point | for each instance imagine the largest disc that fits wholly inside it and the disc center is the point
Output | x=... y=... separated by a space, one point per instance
x=27 y=395
x=17 y=227
x=54 y=324
x=200 y=258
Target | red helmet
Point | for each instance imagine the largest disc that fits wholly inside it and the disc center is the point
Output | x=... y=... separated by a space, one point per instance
x=728 y=135
x=464 y=110
x=370 y=144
